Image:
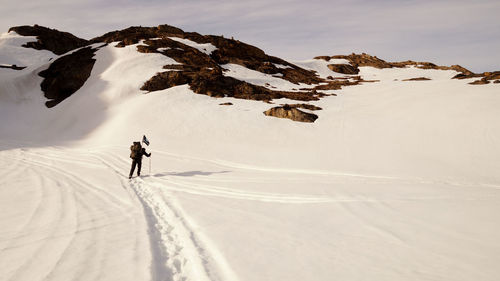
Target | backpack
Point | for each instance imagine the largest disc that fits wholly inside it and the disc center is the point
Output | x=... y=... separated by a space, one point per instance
x=135 y=150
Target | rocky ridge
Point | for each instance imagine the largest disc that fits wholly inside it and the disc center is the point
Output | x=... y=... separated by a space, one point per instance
x=359 y=60
x=201 y=60
x=67 y=74
x=50 y=39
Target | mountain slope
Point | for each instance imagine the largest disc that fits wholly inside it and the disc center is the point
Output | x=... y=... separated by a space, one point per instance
x=211 y=65
x=395 y=179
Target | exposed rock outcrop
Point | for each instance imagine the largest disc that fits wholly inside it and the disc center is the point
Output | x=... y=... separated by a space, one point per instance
x=291 y=113
x=480 y=82
x=363 y=59
x=50 y=39
x=344 y=68
x=417 y=79
x=305 y=106
x=202 y=62
x=203 y=71
x=212 y=82
x=13 y=66
x=227 y=50
x=486 y=77
x=66 y=75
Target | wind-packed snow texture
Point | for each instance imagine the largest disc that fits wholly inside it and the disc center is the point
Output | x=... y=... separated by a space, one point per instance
x=395 y=181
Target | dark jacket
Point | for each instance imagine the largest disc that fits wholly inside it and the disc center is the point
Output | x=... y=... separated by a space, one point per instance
x=143 y=152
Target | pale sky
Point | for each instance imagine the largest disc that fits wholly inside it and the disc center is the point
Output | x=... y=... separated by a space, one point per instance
x=445 y=32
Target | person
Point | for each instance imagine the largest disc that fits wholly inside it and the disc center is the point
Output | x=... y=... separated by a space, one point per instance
x=137 y=151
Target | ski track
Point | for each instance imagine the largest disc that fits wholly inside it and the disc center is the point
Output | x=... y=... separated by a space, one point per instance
x=172 y=183
x=178 y=253
x=417 y=180
x=165 y=245
x=63 y=223
x=178 y=185
x=170 y=239
x=56 y=207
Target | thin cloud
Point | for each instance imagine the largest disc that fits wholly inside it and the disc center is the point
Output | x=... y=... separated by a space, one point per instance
x=446 y=32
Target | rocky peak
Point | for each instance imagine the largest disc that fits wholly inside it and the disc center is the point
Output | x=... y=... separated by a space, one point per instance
x=203 y=64
x=203 y=70
x=50 y=39
x=363 y=59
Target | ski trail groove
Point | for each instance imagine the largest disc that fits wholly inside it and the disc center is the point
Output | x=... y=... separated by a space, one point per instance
x=71 y=215
x=176 y=256
x=388 y=178
x=211 y=190
x=53 y=206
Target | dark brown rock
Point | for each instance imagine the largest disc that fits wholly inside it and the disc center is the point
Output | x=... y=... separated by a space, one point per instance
x=50 y=39
x=165 y=28
x=291 y=113
x=213 y=83
x=336 y=84
x=15 y=67
x=165 y=80
x=460 y=69
x=486 y=77
x=327 y=58
x=226 y=103
x=305 y=106
x=417 y=79
x=480 y=82
x=363 y=59
x=343 y=68
x=465 y=76
x=203 y=72
x=66 y=75
x=492 y=75
x=131 y=35
x=178 y=67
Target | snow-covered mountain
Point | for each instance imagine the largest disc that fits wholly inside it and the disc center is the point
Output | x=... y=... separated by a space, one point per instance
x=386 y=170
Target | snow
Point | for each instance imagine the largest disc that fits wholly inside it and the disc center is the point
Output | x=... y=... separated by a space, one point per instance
x=206 y=48
x=395 y=180
x=12 y=52
x=321 y=66
x=282 y=66
x=272 y=82
x=395 y=74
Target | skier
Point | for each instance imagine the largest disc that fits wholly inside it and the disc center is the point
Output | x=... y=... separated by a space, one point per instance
x=137 y=151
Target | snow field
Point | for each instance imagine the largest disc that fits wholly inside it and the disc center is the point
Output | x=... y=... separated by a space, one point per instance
x=395 y=180
x=262 y=221
x=269 y=81
x=321 y=66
